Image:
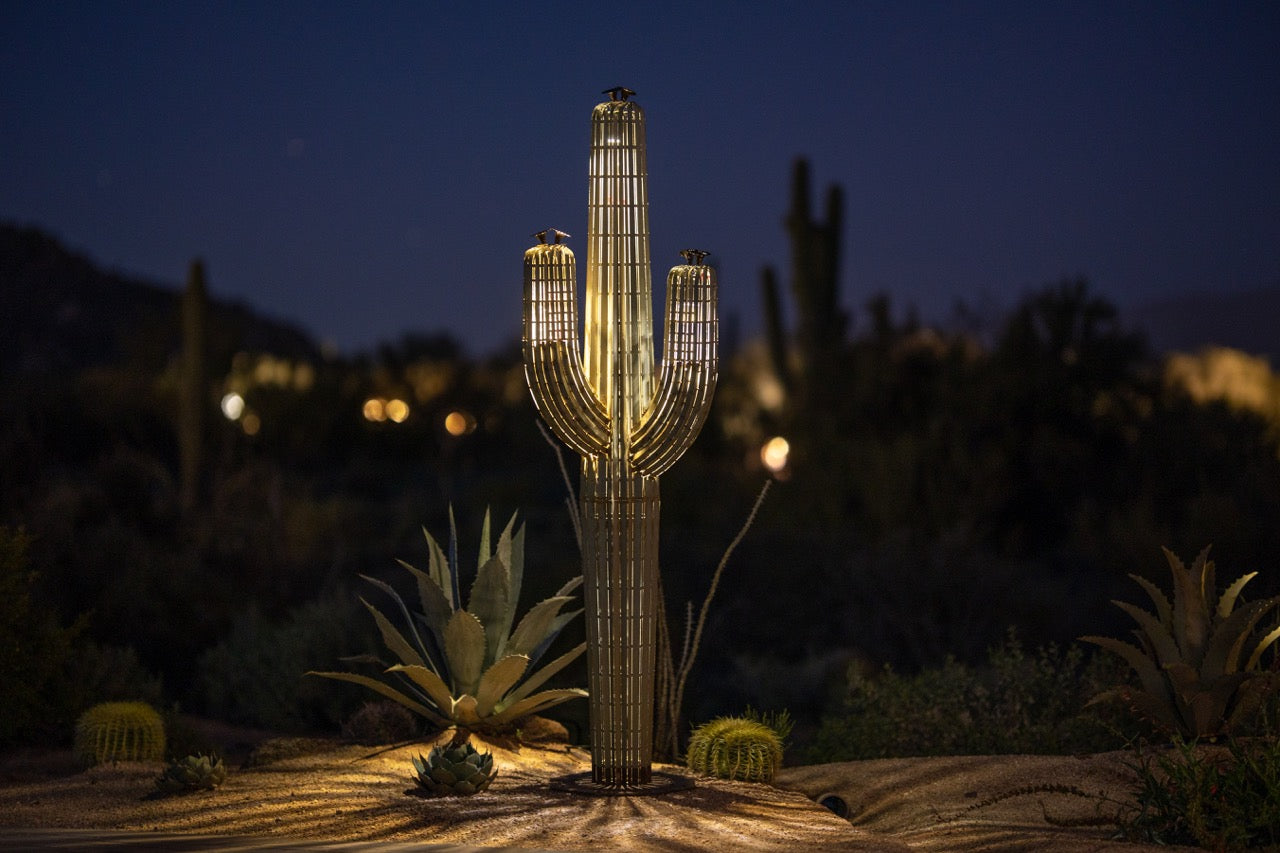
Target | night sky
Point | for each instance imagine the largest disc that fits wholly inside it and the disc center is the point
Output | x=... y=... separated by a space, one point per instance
x=366 y=169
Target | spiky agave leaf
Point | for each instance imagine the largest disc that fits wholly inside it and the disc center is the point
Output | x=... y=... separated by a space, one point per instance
x=1225 y=647
x=1228 y=601
x=464 y=645
x=430 y=684
x=1164 y=612
x=395 y=596
x=389 y=692
x=1263 y=644
x=435 y=607
x=535 y=626
x=535 y=703
x=453 y=561
x=393 y=639
x=497 y=681
x=1149 y=674
x=1190 y=611
x=1154 y=632
x=540 y=677
x=511 y=552
x=489 y=602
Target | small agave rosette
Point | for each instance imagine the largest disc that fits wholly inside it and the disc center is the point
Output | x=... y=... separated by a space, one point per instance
x=455 y=771
x=192 y=773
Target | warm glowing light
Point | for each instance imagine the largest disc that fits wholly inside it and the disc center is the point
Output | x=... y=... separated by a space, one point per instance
x=459 y=423
x=375 y=409
x=251 y=423
x=233 y=406
x=397 y=411
x=774 y=453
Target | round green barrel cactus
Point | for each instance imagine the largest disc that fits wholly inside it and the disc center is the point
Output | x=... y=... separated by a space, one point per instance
x=120 y=731
x=735 y=748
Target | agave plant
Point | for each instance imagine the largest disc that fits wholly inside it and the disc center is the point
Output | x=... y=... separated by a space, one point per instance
x=466 y=667
x=454 y=771
x=1195 y=677
x=197 y=772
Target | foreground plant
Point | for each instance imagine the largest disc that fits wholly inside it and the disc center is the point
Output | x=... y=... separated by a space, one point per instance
x=1196 y=680
x=735 y=748
x=120 y=731
x=193 y=773
x=466 y=667
x=456 y=770
x=1215 y=797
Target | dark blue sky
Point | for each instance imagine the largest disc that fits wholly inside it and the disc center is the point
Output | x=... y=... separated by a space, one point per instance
x=370 y=168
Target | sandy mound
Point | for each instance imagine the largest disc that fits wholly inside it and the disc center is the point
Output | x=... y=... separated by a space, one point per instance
x=352 y=793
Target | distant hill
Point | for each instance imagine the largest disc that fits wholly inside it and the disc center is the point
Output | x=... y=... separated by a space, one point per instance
x=1246 y=320
x=60 y=312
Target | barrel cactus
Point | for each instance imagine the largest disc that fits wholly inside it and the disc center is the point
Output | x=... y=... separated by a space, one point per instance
x=735 y=748
x=454 y=770
x=194 y=773
x=120 y=731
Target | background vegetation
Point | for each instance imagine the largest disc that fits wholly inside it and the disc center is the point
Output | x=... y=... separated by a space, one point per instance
x=944 y=485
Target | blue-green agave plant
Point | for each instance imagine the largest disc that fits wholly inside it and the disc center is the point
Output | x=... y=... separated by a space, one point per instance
x=466 y=667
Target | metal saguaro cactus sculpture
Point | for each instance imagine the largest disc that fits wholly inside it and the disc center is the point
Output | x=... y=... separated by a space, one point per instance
x=605 y=402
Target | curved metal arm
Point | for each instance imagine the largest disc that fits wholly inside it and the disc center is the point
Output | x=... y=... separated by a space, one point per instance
x=688 y=377
x=552 y=358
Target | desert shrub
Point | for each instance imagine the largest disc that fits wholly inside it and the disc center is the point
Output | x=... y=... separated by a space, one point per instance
x=35 y=654
x=255 y=675
x=1212 y=797
x=377 y=723
x=114 y=673
x=1019 y=702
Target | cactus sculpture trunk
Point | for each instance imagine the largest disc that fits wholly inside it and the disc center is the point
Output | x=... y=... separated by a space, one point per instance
x=629 y=425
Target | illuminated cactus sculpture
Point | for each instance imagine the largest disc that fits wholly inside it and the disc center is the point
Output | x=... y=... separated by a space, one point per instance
x=629 y=426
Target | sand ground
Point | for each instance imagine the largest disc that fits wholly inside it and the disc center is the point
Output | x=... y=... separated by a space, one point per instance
x=342 y=793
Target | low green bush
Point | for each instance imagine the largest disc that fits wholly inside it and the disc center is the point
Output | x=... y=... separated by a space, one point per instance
x=255 y=676
x=1019 y=702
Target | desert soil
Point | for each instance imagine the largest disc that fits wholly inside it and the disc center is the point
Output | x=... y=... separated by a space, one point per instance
x=344 y=793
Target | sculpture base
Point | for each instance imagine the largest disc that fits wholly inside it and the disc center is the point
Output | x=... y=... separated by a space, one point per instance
x=660 y=783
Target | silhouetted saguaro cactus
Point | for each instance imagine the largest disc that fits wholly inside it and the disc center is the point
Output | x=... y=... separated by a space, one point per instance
x=815 y=288
x=193 y=386
x=603 y=400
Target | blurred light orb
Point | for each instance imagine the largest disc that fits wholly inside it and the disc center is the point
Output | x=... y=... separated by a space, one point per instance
x=459 y=423
x=375 y=409
x=251 y=423
x=232 y=406
x=774 y=453
x=396 y=410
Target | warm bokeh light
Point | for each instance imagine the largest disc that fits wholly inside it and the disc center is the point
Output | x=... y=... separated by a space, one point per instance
x=459 y=423
x=397 y=411
x=251 y=423
x=375 y=409
x=774 y=453
x=233 y=406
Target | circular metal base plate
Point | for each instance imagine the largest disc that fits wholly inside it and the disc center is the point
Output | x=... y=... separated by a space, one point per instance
x=660 y=783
